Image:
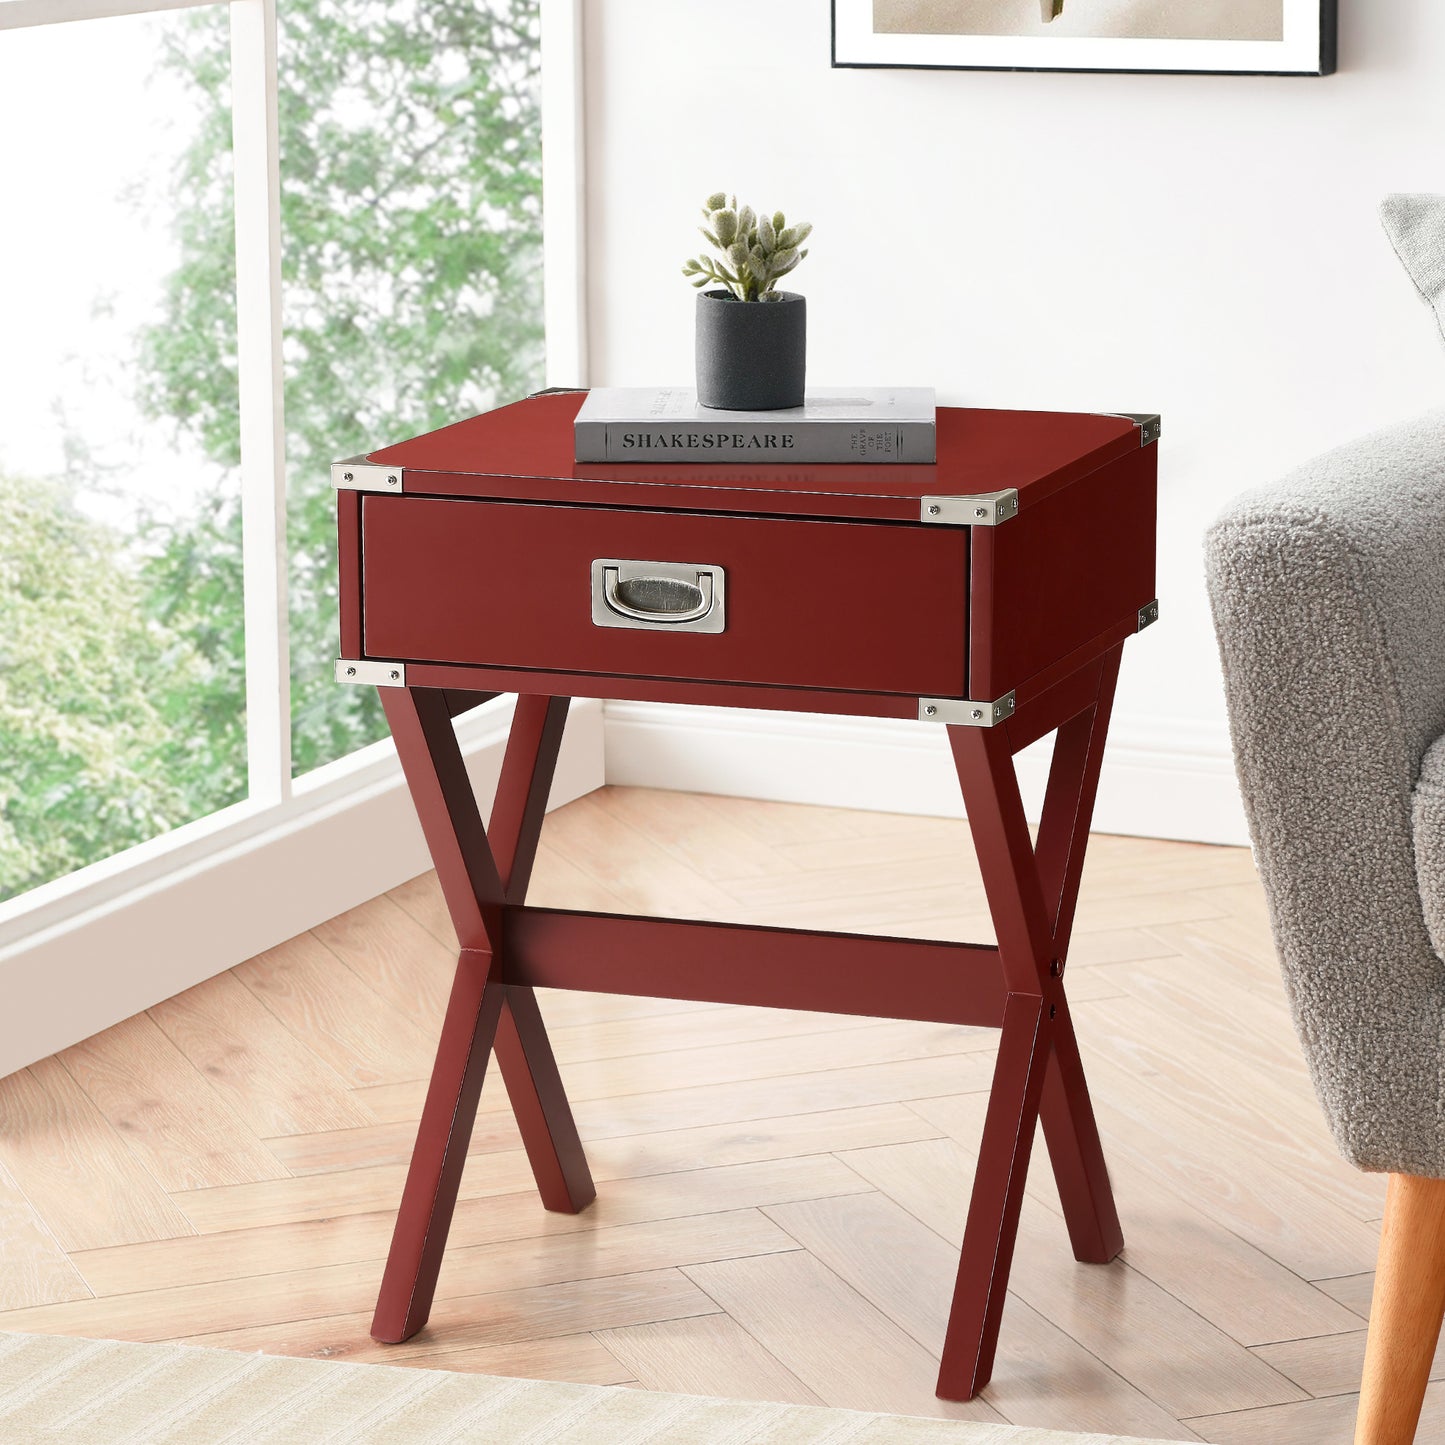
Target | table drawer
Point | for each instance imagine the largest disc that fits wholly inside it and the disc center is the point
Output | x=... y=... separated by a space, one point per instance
x=864 y=607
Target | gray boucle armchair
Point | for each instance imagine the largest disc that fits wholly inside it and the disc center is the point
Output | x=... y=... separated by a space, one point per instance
x=1328 y=591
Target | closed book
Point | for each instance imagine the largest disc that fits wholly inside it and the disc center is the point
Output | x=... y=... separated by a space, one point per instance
x=836 y=424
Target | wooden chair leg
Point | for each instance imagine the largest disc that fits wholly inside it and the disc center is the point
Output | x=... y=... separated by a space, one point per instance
x=1405 y=1312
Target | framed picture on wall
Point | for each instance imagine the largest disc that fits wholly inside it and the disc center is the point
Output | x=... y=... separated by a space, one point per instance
x=1234 y=37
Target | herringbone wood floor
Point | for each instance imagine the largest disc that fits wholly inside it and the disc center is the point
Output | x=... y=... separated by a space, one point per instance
x=780 y=1195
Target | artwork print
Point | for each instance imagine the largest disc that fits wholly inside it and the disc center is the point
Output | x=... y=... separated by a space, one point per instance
x=1234 y=36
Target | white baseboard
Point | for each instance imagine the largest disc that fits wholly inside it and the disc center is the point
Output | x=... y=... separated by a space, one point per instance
x=80 y=955
x=1162 y=778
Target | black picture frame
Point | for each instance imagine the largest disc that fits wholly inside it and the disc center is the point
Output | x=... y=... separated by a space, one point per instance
x=1311 y=51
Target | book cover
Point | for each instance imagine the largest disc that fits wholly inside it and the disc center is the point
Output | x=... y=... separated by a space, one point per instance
x=834 y=424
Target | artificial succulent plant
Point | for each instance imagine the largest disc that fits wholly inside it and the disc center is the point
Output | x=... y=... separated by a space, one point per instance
x=757 y=250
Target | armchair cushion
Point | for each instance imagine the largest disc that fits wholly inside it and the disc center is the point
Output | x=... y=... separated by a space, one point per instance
x=1429 y=822
x=1330 y=610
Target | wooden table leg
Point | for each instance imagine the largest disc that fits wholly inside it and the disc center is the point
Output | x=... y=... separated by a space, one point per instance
x=998 y=1192
x=524 y=1053
x=420 y=1237
x=475 y=891
x=544 y=1117
x=1031 y=894
x=1070 y=1130
x=1076 y=1151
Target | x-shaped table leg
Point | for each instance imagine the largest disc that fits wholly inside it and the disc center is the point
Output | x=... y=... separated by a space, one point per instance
x=477 y=877
x=1032 y=893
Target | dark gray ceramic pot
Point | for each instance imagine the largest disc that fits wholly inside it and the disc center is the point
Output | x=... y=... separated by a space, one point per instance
x=751 y=355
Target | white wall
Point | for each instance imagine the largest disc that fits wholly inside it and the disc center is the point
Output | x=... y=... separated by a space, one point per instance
x=1202 y=246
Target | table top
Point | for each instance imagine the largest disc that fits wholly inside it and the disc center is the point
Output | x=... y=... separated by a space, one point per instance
x=525 y=452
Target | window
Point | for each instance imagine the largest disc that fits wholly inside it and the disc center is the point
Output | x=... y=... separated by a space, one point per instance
x=122 y=658
x=411 y=230
x=212 y=306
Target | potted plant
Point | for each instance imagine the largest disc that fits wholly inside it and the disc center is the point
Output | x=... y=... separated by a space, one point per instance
x=751 y=337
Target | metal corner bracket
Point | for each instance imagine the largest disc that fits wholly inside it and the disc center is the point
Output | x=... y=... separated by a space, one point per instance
x=1148 y=614
x=1147 y=422
x=984 y=509
x=359 y=475
x=962 y=712
x=378 y=674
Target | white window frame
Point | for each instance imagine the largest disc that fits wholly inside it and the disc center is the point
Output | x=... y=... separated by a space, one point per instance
x=146 y=899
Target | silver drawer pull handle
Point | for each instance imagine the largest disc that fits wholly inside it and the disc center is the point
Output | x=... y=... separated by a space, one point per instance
x=658 y=599
x=658 y=596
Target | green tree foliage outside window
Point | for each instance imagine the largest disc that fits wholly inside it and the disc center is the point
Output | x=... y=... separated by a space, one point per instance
x=411 y=205
x=95 y=753
x=412 y=223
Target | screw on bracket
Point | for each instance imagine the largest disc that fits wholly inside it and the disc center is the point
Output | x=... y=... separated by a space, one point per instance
x=348 y=476
x=965 y=712
x=351 y=672
x=394 y=674
x=981 y=509
x=391 y=481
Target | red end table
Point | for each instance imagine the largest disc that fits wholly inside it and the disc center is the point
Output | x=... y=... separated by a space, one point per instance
x=991 y=593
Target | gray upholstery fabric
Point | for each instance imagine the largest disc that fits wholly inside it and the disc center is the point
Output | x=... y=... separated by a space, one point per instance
x=1416 y=228
x=1328 y=591
x=1430 y=841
